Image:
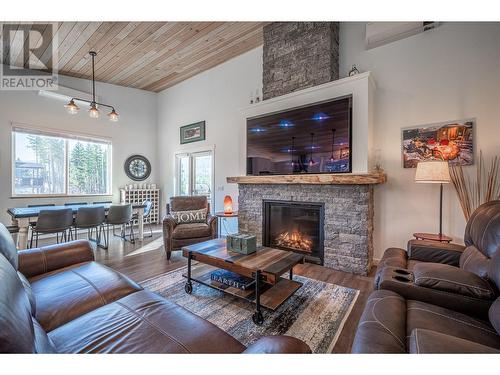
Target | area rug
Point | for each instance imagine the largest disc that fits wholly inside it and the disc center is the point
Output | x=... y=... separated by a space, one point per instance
x=315 y=314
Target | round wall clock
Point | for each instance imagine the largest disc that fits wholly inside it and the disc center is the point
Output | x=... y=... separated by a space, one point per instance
x=137 y=167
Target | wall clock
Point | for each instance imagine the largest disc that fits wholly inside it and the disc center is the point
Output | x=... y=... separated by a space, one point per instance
x=137 y=167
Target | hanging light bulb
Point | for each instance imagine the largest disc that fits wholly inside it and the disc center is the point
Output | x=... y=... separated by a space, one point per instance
x=72 y=108
x=113 y=115
x=93 y=111
x=332 y=159
x=311 y=160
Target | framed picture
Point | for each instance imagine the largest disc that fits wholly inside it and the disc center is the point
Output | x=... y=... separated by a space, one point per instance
x=452 y=141
x=193 y=132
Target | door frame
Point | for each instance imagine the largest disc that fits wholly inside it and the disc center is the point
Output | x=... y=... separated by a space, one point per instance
x=190 y=151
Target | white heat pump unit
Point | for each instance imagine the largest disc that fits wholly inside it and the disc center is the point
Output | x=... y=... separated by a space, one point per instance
x=380 y=33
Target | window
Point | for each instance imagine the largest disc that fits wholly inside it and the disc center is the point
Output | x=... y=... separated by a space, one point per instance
x=55 y=164
x=194 y=174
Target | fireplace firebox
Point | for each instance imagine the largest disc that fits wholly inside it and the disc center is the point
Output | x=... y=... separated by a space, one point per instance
x=294 y=226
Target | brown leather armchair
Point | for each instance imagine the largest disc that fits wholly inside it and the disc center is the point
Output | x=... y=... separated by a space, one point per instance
x=175 y=236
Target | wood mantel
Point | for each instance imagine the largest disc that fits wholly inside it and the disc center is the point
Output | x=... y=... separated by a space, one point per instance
x=313 y=179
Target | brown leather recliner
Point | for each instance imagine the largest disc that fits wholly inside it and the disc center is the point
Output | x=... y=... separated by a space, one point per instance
x=57 y=299
x=391 y=323
x=448 y=275
x=175 y=236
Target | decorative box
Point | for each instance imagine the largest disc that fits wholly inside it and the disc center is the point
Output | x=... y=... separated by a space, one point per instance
x=241 y=243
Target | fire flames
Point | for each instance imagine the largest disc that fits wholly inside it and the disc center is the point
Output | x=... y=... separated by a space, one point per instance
x=295 y=240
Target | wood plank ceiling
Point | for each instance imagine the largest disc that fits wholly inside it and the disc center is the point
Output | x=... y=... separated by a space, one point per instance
x=148 y=55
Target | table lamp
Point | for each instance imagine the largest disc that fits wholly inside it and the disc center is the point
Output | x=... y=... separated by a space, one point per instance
x=434 y=172
x=228 y=205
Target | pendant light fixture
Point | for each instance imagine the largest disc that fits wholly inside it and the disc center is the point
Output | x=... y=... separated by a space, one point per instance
x=332 y=159
x=311 y=160
x=73 y=109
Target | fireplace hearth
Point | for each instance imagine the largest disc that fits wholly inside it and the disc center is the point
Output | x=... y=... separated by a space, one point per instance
x=294 y=226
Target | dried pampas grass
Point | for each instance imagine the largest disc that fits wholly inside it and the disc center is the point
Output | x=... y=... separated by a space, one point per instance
x=474 y=191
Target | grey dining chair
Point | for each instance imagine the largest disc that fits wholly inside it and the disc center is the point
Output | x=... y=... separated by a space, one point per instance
x=33 y=223
x=53 y=222
x=119 y=215
x=90 y=218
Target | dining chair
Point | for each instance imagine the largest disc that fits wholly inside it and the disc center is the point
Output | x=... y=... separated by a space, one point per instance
x=119 y=215
x=76 y=204
x=33 y=223
x=90 y=218
x=147 y=212
x=53 y=222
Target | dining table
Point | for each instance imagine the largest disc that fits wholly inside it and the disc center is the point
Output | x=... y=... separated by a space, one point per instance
x=23 y=216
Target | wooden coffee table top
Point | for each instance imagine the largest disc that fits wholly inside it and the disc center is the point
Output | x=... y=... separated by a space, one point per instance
x=266 y=259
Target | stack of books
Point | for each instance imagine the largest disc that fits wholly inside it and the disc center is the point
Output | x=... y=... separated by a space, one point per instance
x=232 y=279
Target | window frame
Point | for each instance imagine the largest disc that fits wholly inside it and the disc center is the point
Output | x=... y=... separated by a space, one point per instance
x=66 y=136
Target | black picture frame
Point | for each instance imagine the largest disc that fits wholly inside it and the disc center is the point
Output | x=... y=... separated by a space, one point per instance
x=130 y=159
x=192 y=133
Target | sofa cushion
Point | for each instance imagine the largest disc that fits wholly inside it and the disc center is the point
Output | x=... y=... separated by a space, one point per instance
x=426 y=316
x=142 y=322
x=473 y=260
x=423 y=341
x=29 y=292
x=67 y=293
x=16 y=326
x=191 y=216
x=382 y=327
x=453 y=280
x=483 y=228
x=193 y=230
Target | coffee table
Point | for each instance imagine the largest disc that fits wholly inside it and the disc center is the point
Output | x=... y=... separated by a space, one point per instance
x=266 y=266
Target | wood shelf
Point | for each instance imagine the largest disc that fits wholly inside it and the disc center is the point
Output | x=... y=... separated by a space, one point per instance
x=313 y=179
x=137 y=196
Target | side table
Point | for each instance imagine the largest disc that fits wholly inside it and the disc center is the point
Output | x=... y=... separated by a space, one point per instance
x=432 y=237
x=222 y=217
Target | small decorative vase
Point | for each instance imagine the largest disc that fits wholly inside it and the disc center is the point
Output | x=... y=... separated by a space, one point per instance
x=353 y=71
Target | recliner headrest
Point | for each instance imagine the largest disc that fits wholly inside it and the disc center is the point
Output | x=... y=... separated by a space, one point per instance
x=7 y=246
x=483 y=228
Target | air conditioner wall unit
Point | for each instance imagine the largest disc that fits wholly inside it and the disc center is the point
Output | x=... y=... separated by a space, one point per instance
x=380 y=33
x=64 y=94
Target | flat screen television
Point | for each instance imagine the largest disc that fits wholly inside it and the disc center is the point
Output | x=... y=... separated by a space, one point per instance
x=312 y=139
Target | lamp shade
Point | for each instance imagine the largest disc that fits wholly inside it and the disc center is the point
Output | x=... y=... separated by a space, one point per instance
x=228 y=205
x=432 y=172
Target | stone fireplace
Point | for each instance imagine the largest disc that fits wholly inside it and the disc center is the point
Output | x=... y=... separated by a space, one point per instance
x=294 y=226
x=347 y=224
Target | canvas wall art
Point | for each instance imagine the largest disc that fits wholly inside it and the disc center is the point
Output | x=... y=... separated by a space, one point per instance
x=452 y=141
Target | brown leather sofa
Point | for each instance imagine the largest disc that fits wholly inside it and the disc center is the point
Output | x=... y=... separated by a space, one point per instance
x=448 y=275
x=175 y=236
x=391 y=323
x=57 y=299
x=438 y=298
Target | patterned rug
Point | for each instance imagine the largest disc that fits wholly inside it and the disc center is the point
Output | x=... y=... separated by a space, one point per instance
x=315 y=314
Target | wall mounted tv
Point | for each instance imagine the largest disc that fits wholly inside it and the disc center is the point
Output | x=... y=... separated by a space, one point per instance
x=312 y=139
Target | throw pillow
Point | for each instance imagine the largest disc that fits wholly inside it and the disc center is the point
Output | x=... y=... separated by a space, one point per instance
x=192 y=216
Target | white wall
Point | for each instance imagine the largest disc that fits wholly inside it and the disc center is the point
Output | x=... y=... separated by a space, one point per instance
x=135 y=132
x=448 y=73
x=215 y=96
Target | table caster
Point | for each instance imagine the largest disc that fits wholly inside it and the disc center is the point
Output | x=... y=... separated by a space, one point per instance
x=188 y=287
x=258 y=318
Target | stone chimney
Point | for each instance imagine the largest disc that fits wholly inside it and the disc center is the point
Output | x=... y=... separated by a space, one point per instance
x=298 y=55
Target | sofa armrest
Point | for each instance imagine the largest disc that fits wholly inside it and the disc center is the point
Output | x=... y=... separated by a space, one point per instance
x=435 y=252
x=33 y=262
x=277 y=345
x=452 y=280
x=212 y=223
x=424 y=341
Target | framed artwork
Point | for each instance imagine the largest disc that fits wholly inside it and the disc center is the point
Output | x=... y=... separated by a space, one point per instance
x=193 y=132
x=452 y=141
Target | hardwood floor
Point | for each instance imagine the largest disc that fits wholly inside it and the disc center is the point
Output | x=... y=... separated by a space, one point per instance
x=141 y=261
